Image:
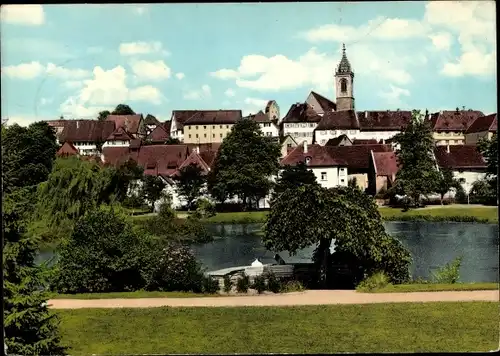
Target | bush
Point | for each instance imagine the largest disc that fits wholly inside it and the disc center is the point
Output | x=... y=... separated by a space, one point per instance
x=176 y=269
x=210 y=285
x=104 y=254
x=273 y=284
x=205 y=208
x=449 y=273
x=292 y=286
x=243 y=284
x=228 y=284
x=377 y=280
x=259 y=284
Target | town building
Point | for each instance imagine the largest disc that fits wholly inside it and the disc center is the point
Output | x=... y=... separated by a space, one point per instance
x=300 y=122
x=382 y=172
x=267 y=126
x=272 y=111
x=320 y=104
x=86 y=135
x=449 y=127
x=484 y=127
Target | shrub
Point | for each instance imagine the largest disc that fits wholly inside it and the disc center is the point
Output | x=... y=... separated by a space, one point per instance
x=243 y=284
x=292 y=286
x=449 y=273
x=210 y=285
x=259 y=284
x=205 y=208
x=176 y=269
x=273 y=284
x=228 y=283
x=377 y=280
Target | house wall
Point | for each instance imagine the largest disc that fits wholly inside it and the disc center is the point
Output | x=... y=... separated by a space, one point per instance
x=175 y=131
x=311 y=100
x=287 y=144
x=300 y=131
x=274 y=112
x=330 y=177
x=473 y=138
x=86 y=148
x=269 y=129
x=449 y=138
x=116 y=144
x=206 y=133
x=322 y=136
x=361 y=180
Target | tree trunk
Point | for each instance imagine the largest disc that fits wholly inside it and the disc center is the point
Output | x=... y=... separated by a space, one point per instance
x=324 y=252
x=442 y=197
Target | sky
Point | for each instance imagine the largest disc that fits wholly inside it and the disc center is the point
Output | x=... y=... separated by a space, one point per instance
x=77 y=60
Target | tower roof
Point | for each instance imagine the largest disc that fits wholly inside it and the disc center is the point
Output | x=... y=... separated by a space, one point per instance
x=344 y=66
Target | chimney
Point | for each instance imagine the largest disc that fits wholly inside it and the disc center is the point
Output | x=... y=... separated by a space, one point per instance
x=366 y=114
x=305 y=146
x=383 y=141
x=447 y=148
x=77 y=124
x=197 y=149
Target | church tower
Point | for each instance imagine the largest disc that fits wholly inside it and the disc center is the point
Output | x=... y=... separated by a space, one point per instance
x=344 y=83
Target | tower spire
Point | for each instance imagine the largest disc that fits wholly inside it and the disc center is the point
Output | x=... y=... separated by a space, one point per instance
x=344 y=65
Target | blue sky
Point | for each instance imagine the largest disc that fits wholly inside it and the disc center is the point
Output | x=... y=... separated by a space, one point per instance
x=76 y=60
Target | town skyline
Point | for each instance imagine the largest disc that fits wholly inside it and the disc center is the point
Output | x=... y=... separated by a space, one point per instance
x=95 y=64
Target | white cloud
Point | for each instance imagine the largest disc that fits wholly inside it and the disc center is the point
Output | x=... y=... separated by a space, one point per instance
x=256 y=102
x=225 y=74
x=203 y=93
x=24 y=71
x=25 y=120
x=442 y=41
x=151 y=70
x=66 y=73
x=253 y=106
x=471 y=63
x=393 y=96
x=105 y=90
x=136 y=48
x=230 y=93
x=30 y=15
x=180 y=76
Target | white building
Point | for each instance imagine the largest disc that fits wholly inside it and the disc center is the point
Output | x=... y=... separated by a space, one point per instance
x=300 y=122
x=267 y=126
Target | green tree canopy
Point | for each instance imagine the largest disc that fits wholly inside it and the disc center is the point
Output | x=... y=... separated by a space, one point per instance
x=28 y=154
x=190 y=183
x=126 y=174
x=30 y=327
x=172 y=141
x=314 y=216
x=417 y=173
x=152 y=189
x=245 y=164
x=292 y=177
x=489 y=150
x=123 y=109
x=103 y=115
x=445 y=182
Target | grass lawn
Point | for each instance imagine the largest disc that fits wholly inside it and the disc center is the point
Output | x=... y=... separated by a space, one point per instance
x=132 y=295
x=434 y=287
x=432 y=213
x=405 y=327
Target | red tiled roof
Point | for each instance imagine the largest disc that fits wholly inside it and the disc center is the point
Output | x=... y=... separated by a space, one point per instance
x=194 y=158
x=326 y=104
x=67 y=149
x=259 y=117
x=460 y=156
x=357 y=156
x=301 y=113
x=130 y=123
x=364 y=142
x=167 y=125
x=339 y=120
x=214 y=117
x=215 y=146
x=385 y=163
x=337 y=140
x=320 y=157
x=159 y=134
x=57 y=123
x=383 y=120
x=86 y=130
x=209 y=157
x=484 y=123
x=181 y=116
x=458 y=120
x=135 y=143
x=119 y=135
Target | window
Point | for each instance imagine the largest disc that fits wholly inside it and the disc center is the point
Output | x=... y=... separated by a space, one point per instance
x=213 y=135
x=227 y=126
x=204 y=127
x=189 y=127
x=204 y=135
x=289 y=145
x=220 y=126
x=220 y=135
x=343 y=85
x=342 y=180
x=452 y=142
x=322 y=142
x=196 y=127
x=323 y=175
x=189 y=135
x=268 y=133
x=196 y=135
x=341 y=170
x=333 y=132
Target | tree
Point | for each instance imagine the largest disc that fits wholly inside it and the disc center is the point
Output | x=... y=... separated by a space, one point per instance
x=445 y=182
x=293 y=177
x=190 y=183
x=28 y=154
x=172 y=141
x=30 y=328
x=489 y=150
x=123 y=109
x=245 y=164
x=127 y=173
x=417 y=169
x=152 y=189
x=103 y=115
x=104 y=254
x=313 y=215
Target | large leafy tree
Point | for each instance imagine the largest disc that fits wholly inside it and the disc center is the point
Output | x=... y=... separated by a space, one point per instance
x=30 y=328
x=489 y=150
x=314 y=216
x=123 y=109
x=126 y=174
x=103 y=115
x=292 y=177
x=417 y=173
x=152 y=189
x=190 y=183
x=445 y=182
x=245 y=163
x=28 y=154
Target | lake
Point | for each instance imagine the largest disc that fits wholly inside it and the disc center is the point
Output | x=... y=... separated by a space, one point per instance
x=432 y=244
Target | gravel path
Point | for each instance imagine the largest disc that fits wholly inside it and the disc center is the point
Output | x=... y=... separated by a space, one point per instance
x=316 y=297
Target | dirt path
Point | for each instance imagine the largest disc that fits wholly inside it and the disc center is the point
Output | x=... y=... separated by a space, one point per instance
x=317 y=297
